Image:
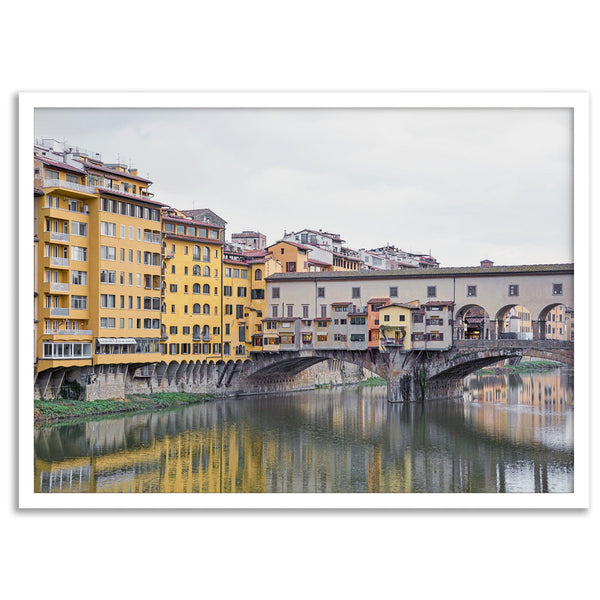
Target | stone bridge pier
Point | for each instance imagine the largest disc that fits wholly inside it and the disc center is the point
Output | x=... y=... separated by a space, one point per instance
x=420 y=375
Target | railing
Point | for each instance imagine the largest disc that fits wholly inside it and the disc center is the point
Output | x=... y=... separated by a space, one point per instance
x=59 y=287
x=169 y=254
x=152 y=238
x=55 y=261
x=68 y=332
x=59 y=312
x=59 y=237
x=68 y=185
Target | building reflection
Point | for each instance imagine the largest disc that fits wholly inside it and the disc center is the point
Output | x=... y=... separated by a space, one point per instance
x=337 y=440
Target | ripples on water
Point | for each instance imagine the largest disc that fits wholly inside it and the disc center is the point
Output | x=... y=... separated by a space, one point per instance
x=509 y=434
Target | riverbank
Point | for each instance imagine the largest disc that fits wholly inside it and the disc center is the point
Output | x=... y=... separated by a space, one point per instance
x=45 y=410
x=530 y=366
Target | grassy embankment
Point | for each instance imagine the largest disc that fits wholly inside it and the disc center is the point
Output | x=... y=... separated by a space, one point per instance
x=47 y=410
x=530 y=366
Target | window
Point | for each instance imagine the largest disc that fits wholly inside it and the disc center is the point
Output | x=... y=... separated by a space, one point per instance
x=393 y=292
x=471 y=290
x=275 y=292
x=206 y=309
x=79 y=228
x=196 y=309
x=107 y=300
x=229 y=309
x=173 y=287
x=239 y=311
x=79 y=277
x=274 y=311
x=206 y=254
x=108 y=276
x=513 y=290
x=320 y=292
x=431 y=291
x=357 y=337
x=258 y=275
x=557 y=289
x=305 y=311
x=290 y=267
x=356 y=292
x=386 y=317
x=323 y=310
x=241 y=292
x=109 y=229
x=108 y=253
x=290 y=310
x=257 y=294
x=78 y=253
x=79 y=302
x=227 y=290
x=206 y=289
x=358 y=320
x=107 y=322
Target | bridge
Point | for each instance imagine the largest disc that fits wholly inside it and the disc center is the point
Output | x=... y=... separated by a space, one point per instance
x=313 y=317
x=413 y=375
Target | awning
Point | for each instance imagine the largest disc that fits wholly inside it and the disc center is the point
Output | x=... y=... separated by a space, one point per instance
x=116 y=340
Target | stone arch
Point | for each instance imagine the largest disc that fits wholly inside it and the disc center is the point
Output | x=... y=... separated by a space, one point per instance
x=472 y=321
x=514 y=321
x=555 y=322
x=172 y=371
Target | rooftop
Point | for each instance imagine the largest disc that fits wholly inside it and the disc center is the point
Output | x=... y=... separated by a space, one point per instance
x=438 y=273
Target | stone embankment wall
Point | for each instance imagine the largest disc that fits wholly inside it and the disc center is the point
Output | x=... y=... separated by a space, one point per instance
x=221 y=380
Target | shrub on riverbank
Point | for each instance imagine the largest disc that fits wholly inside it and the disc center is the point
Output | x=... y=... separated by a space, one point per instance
x=530 y=366
x=45 y=410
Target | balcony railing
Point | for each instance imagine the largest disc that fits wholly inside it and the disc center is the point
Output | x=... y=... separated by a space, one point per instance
x=59 y=237
x=68 y=185
x=59 y=287
x=56 y=261
x=152 y=238
x=59 y=312
x=68 y=332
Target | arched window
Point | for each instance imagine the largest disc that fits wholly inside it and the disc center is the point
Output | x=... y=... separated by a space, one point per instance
x=258 y=274
x=206 y=289
x=196 y=288
x=196 y=309
x=196 y=332
x=163 y=308
x=206 y=309
x=206 y=254
x=206 y=330
x=196 y=270
x=196 y=253
x=206 y=271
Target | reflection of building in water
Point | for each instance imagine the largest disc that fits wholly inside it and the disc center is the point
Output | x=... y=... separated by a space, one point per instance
x=315 y=442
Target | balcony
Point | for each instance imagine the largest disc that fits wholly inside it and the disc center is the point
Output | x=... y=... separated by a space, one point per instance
x=392 y=342
x=59 y=312
x=59 y=287
x=56 y=236
x=68 y=332
x=56 y=261
x=68 y=185
x=152 y=238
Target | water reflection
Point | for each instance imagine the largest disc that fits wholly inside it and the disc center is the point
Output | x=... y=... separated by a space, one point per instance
x=510 y=434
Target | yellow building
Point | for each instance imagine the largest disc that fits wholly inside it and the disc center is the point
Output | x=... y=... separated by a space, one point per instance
x=192 y=307
x=292 y=256
x=395 y=321
x=98 y=262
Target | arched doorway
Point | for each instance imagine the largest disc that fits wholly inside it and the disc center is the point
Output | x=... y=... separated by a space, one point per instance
x=556 y=322
x=472 y=322
x=515 y=321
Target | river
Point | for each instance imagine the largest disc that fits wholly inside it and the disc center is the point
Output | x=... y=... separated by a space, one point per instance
x=509 y=433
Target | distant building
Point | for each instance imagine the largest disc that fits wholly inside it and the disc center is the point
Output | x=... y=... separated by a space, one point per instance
x=327 y=248
x=390 y=258
x=250 y=239
x=206 y=216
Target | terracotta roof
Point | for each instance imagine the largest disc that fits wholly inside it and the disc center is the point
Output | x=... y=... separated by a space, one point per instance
x=440 y=272
x=291 y=244
x=121 y=194
x=190 y=221
x=401 y=305
x=312 y=261
x=120 y=174
x=377 y=300
x=190 y=238
x=439 y=303
x=60 y=165
x=341 y=303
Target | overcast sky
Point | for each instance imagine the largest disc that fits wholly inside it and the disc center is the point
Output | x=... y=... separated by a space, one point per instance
x=467 y=184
